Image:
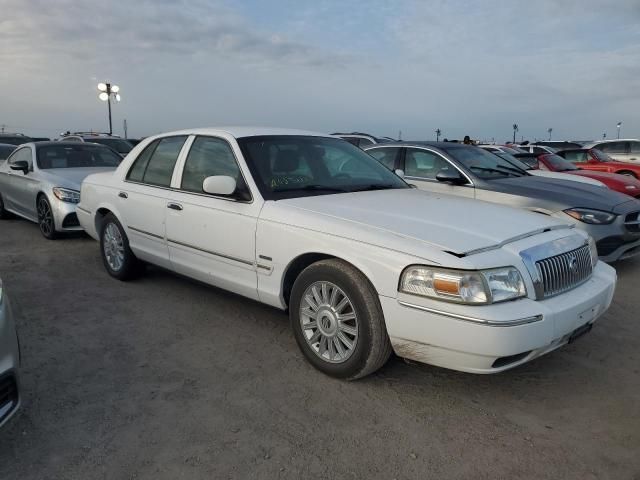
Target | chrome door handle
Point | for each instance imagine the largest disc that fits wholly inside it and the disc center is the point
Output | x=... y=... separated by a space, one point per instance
x=174 y=206
x=123 y=195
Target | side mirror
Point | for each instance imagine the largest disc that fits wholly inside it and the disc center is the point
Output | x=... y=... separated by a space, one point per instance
x=449 y=175
x=21 y=165
x=219 y=185
x=399 y=172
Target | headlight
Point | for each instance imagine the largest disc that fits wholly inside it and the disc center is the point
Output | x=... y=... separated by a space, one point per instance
x=66 y=195
x=471 y=287
x=594 y=217
x=594 y=251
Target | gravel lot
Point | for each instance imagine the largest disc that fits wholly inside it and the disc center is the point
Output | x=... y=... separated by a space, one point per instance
x=167 y=378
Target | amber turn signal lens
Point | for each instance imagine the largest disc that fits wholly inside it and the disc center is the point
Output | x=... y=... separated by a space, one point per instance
x=446 y=285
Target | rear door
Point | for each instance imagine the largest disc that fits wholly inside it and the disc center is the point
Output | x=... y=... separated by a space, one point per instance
x=142 y=202
x=421 y=166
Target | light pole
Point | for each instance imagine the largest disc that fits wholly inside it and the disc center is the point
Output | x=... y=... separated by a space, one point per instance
x=106 y=92
x=515 y=129
x=619 y=125
x=438 y=133
x=549 y=130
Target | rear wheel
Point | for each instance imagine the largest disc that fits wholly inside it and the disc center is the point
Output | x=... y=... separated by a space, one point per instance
x=46 y=220
x=117 y=257
x=337 y=320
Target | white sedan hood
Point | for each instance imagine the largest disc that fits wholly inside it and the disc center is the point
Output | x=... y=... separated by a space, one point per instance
x=402 y=219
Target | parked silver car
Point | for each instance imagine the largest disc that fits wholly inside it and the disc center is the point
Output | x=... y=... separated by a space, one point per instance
x=9 y=361
x=622 y=150
x=41 y=182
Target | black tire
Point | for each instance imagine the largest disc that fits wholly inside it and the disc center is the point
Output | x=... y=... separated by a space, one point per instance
x=372 y=346
x=4 y=214
x=46 y=220
x=130 y=267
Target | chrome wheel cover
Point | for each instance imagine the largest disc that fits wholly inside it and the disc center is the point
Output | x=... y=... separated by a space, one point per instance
x=329 y=322
x=45 y=217
x=113 y=247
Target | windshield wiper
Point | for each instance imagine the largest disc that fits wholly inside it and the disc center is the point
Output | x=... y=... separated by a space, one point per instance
x=373 y=186
x=311 y=188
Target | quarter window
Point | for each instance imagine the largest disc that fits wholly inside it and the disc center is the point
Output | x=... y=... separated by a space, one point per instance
x=208 y=157
x=635 y=147
x=424 y=164
x=364 y=142
x=386 y=156
x=136 y=172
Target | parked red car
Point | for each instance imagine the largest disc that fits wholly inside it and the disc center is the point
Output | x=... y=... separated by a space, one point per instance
x=597 y=160
x=554 y=163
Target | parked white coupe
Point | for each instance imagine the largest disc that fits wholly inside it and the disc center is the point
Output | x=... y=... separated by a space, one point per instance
x=363 y=263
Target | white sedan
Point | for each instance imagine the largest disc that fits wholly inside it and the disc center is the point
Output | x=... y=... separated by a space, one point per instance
x=364 y=264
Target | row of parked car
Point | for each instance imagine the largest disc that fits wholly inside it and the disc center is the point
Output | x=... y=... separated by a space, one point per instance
x=441 y=252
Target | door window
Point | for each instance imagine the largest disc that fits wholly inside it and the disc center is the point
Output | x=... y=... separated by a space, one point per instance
x=424 y=164
x=635 y=147
x=613 y=147
x=155 y=164
x=22 y=154
x=208 y=157
x=364 y=142
x=386 y=156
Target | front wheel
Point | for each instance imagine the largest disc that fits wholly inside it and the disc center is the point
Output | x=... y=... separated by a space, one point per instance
x=337 y=320
x=117 y=257
x=46 y=221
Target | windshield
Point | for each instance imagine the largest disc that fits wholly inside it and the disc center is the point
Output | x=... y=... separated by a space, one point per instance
x=119 y=145
x=518 y=163
x=483 y=164
x=78 y=155
x=288 y=166
x=601 y=156
x=559 y=164
x=5 y=151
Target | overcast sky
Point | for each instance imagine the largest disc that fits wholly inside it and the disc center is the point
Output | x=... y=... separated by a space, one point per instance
x=465 y=67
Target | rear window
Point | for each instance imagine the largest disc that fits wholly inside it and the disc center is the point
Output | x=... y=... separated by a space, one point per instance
x=78 y=155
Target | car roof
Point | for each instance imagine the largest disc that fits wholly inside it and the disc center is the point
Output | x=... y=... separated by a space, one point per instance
x=426 y=143
x=240 y=132
x=50 y=143
x=609 y=140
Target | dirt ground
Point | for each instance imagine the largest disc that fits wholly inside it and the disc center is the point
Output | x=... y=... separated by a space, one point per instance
x=167 y=378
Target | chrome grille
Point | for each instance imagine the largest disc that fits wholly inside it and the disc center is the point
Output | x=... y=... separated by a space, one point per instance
x=565 y=271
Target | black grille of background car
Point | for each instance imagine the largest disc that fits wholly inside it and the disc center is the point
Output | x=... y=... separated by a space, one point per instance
x=565 y=271
x=8 y=395
x=632 y=222
x=70 y=220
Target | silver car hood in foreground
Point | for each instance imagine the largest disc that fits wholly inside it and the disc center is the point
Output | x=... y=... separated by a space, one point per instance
x=70 y=177
x=397 y=218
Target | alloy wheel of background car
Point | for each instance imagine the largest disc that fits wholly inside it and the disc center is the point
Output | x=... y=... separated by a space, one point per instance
x=333 y=300
x=118 y=259
x=45 y=218
x=329 y=322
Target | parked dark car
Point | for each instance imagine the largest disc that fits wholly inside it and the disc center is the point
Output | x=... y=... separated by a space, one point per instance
x=14 y=138
x=611 y=218
x=5 y=150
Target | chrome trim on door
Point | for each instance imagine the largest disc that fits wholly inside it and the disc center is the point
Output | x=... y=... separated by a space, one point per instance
x=477 y=321
x=144 y=232
x=216 y=254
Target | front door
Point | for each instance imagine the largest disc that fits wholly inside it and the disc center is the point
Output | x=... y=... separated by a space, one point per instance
x=213 y=238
